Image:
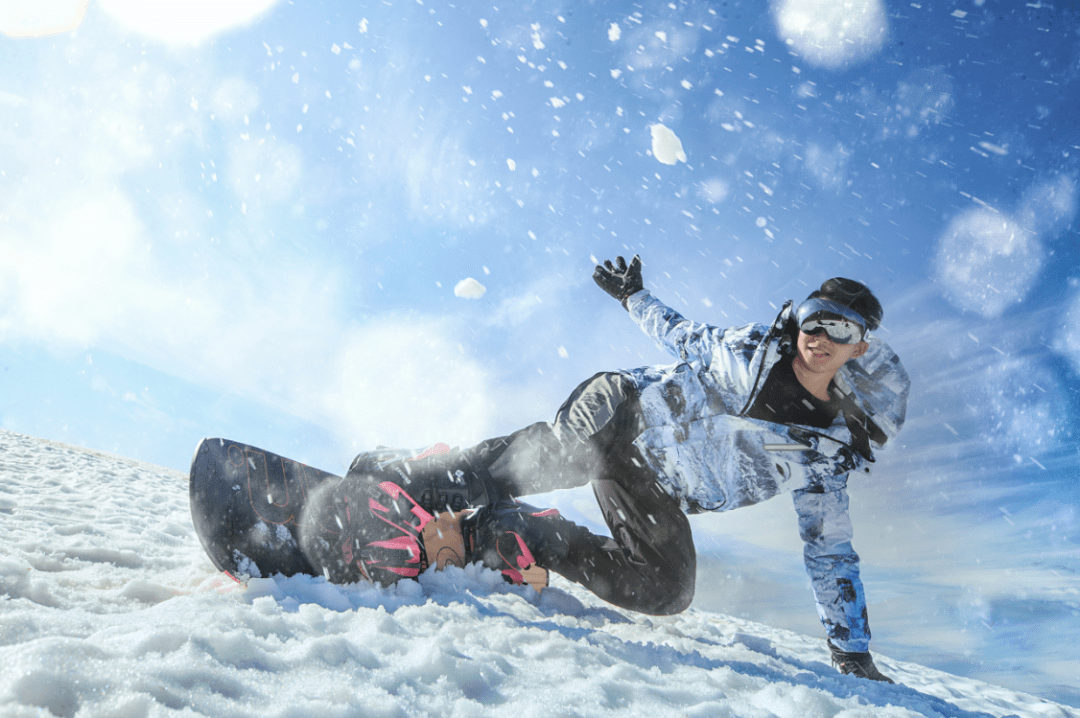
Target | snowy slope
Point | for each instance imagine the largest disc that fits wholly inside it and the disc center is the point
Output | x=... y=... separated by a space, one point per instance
x=111 y=608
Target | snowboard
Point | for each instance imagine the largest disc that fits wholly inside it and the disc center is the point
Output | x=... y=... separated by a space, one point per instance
x=246 y=504
x=248 y=508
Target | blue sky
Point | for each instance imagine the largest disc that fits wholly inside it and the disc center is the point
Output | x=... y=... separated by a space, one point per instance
x=250 y=220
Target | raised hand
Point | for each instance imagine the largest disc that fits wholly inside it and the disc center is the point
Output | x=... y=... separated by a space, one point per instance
x=618 y=279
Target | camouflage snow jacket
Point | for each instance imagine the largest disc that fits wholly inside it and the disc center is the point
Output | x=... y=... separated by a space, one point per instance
x=712 y=458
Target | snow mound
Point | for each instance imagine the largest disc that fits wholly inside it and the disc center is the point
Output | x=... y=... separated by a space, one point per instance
x=111 y=608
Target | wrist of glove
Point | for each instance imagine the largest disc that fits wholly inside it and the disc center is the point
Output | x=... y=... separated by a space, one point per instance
x=619 y=279
x=856 y=664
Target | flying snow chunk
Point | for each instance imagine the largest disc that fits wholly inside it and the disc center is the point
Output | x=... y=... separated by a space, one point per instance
x=987 y=261
x=832 y=33
x=666 y=146
x=614 y=32
x=469 y=288
x=511 y=164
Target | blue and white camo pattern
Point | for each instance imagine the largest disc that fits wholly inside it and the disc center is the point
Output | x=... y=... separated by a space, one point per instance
x=711 y=458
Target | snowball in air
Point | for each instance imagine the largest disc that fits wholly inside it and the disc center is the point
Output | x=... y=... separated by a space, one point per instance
x=666 y=146
x=469 y=288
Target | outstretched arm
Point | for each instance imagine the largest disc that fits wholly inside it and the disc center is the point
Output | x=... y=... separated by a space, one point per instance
x=671 y=331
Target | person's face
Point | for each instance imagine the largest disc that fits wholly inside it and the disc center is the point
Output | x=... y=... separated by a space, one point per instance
x=821 y=355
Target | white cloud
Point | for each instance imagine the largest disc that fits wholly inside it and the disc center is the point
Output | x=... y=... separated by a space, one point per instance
x=234 y=98
x=714 y=190
x=828 y=167
x=925 y=97
x=1067 y=341
x=264 y=172
x=72 y=278
x=439 y=181
x=185 y=21
x=275 y=336
x=832 y=33
x=105 y=247
x=399 y=382
x=1049 y=207
x=40 y=17
x=651 y=50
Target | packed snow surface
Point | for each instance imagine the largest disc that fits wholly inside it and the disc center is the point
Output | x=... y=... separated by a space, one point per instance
x=111 y=608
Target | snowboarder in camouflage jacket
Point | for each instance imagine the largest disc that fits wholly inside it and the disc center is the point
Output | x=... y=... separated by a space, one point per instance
x=747 y=413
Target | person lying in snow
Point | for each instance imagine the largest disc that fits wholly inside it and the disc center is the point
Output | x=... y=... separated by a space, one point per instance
x=795 y=406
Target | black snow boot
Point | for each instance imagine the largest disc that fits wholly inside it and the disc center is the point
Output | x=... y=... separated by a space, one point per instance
x=513 y=537
x=519 y=540
x=856 y=664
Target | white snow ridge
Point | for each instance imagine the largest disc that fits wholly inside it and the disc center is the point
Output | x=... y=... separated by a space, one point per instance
x=111 y=608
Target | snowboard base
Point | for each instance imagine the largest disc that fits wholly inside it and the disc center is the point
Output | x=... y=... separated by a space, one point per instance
x=246 y=505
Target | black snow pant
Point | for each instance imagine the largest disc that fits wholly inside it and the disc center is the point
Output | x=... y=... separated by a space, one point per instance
x=648 y=564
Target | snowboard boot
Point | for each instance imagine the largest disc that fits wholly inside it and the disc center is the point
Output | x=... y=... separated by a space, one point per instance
x=504 y=536
x=856 y=664
x=456 y=539
x=524 y=542
x=513 y=537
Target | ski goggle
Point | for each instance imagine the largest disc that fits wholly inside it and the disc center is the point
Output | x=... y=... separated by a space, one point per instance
x=841 y=324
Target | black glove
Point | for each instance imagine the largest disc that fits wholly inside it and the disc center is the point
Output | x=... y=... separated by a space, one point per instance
x=619 y=280
x=856 y=664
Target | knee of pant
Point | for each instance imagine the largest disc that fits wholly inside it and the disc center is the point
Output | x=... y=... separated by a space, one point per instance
x=676 y=589
x=679 y=600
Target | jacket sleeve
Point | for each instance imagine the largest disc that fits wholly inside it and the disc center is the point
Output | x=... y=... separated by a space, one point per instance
x=678 y=336
x=833 y=566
